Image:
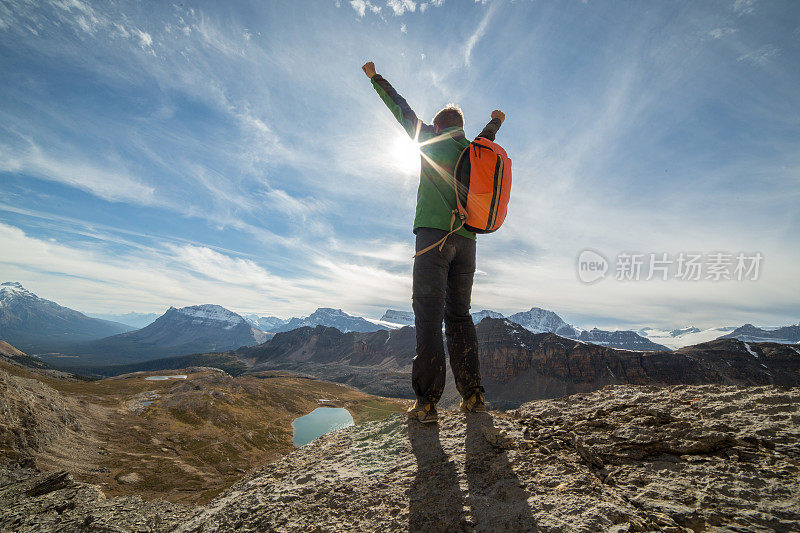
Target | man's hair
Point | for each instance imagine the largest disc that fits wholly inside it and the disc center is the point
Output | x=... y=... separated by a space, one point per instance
x=448 y=117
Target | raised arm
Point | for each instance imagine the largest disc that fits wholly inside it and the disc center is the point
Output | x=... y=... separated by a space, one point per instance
x=415 y=128
x=491 y=128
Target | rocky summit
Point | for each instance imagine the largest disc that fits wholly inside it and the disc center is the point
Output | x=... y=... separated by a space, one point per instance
x=624 y=458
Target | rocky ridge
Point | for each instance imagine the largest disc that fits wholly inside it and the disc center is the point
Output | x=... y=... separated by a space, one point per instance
x=332 y=318
x=32 y=416
x=751 y=333
x=625 y=458
x=516 y=365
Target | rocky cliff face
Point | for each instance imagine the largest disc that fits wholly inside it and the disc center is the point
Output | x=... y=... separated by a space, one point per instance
x=545 y=365
x=385 y=348
x=625 y=458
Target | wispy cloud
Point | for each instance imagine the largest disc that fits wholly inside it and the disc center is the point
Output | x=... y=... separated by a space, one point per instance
x=110 y=184
x=761 y=56
x=744 y=7
x=399 y=7
x=478 y=34
x=719 y=33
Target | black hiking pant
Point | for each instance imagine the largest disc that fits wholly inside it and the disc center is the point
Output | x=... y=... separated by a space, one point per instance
x=442 y=290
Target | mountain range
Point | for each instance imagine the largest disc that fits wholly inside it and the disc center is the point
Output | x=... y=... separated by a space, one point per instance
x=34 y=324
x=332 y=318
x=538 y=320
x=264 y=323
x=516 y=364
x=750 y=333
x=39 y=325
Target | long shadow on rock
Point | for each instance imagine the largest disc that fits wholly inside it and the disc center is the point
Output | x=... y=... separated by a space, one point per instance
x=436 y=502
x=496 y=497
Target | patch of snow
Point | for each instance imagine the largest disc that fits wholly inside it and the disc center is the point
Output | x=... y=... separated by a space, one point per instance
x=385 y=323
x=165 y=378
x=750 y=350
x=680 y=340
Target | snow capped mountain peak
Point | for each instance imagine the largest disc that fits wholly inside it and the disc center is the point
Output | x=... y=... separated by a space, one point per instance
x=402 y=318
x=540 y=320
x=683 y=331
x=480 y=315
x=10 y=289
x=210 y=312
x=265 y=323
x=328 y=311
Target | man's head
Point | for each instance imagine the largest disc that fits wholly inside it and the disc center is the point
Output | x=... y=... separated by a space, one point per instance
x=448 y=117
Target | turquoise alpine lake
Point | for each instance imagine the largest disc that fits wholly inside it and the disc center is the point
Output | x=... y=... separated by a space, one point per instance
x=318 y=422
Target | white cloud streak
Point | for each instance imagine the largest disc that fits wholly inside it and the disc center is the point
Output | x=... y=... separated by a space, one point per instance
x=478 y=34
x=110 y=184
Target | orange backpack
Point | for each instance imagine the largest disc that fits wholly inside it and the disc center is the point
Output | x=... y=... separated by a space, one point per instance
x=483 y=185
x=482 y=182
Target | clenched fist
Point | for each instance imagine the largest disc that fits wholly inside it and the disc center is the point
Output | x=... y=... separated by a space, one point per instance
x=499 y=114
x=369 y=69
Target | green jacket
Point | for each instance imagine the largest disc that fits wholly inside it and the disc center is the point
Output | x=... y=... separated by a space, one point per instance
x=436 y=197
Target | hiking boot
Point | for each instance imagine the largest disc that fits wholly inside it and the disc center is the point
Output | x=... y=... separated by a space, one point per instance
x=474 y=404
x=423 y=412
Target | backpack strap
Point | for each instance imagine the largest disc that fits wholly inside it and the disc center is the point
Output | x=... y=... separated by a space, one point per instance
x=440 y=242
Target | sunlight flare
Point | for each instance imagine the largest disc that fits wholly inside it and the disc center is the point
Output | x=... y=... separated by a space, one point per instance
x=405 y=155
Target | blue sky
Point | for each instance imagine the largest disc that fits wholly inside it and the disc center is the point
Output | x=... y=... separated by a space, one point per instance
x=156 y=154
